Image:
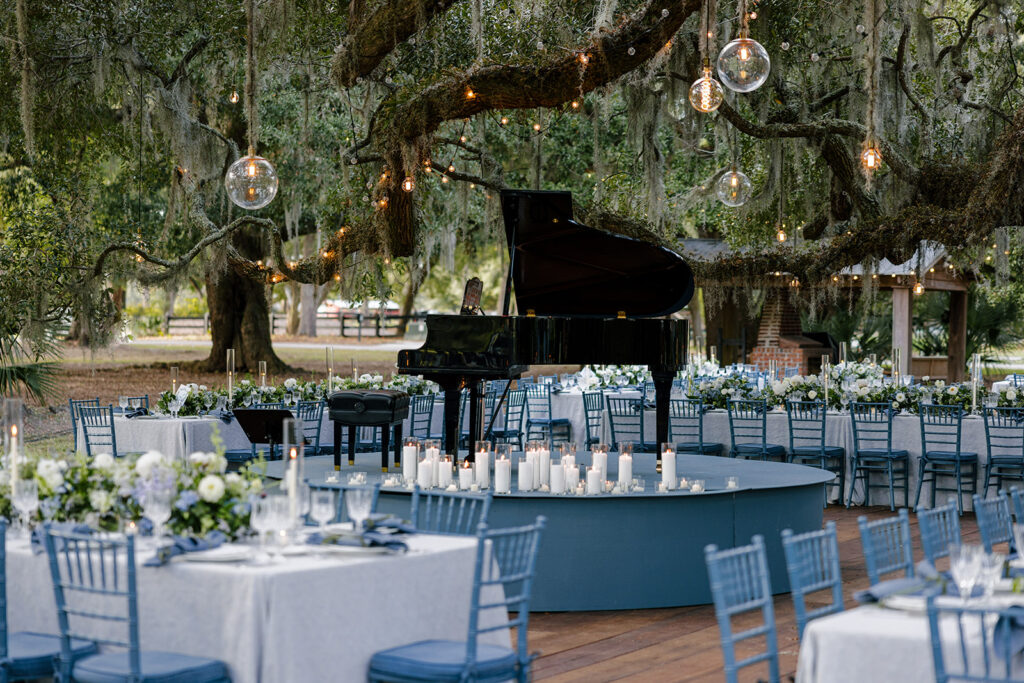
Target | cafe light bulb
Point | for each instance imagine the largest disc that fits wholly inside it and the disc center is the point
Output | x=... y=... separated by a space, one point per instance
x=918 y=289
x=408 y=184
x=870 y=158
x=706 y=93
x=780 y=235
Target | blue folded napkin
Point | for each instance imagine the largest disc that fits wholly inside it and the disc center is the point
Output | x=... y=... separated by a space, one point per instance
x=368 y=539
x=914 y=586
x=137 y=412
x=1009 y=631
x=185 y=544
x=226 y=415
x=39 y=545
x=400 y=526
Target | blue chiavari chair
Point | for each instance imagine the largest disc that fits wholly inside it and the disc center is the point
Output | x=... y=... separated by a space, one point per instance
x=1004 y=440
x=453 y=514
x=807 y=441
x=941 y=455
x=939 y=529
x=593 y=413
x=1017 y=500
x=73 y=405
x=25 y=655
x=98 y=429
x=978 y=644
x=686 y=427
x=94 y=584
x=994 y=522
x=626 y=421
x=886 y=544
x=311 y=413
x=502 y=582
x=812 y=561
x=873 y=452
x=540 y=425
x=740 y=584
x=421 y=416
x=748 y=430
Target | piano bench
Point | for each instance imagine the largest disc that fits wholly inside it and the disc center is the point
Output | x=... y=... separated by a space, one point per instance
x=367 y=408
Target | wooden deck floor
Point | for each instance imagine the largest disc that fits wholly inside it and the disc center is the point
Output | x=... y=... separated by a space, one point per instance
x=682 y=644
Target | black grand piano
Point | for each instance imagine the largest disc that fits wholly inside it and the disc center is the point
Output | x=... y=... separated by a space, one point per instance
x=584 y=296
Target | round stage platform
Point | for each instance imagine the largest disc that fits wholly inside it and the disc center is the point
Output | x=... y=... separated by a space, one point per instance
x=641 y=550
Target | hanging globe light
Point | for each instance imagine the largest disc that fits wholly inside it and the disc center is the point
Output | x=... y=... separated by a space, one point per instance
x=706 y=93
x=743 y=64
x=251 y=182
x=733 y=188
x=870 y=158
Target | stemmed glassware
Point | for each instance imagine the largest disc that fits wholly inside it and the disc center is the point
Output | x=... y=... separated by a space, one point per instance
x=991 y=571
x=156 y=506
x=358 y=501
x=25 y=498
x=321 y=507
x=123 y=402
x=208 y=401
x=247 y=401
x=174 y=406
x=965 y=567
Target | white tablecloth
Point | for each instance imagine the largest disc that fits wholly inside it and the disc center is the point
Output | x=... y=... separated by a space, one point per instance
x=876 y=644
x=303 y=619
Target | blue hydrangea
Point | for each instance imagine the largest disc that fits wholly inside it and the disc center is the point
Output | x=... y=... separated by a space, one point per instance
x=186 y=500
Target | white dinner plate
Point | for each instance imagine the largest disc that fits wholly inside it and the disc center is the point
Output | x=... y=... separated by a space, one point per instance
x=224 y=553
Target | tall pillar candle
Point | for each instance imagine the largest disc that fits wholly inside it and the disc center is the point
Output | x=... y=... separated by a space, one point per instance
x=466 y=476
x=594 y=478
x=483 y=469
x=668 y=469
x=625 y=471
x=544 y=464
x=557 y=477
x=600 y=462
x=525 y=474
x=502 y=475
x=444 y=472
x=425 y=473
x=410 y=458
x=572 y=477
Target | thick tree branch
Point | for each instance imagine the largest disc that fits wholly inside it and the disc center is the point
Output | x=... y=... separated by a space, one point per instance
x=965 y=34
x=901 y=75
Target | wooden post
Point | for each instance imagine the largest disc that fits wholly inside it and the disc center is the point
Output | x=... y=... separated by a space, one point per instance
x=956 y=352
x=902 y=326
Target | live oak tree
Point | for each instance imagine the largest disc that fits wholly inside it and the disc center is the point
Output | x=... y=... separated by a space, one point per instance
x=363 y=101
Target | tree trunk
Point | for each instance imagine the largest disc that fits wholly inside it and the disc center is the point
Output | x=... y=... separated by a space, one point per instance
x=239 y=317
x=171 y=293
x=307 y=310
x=407 y=303
x=291 y=307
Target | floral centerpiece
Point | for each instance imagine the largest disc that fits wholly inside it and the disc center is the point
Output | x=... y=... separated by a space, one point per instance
x=800 y=388
x=954 y=394
x=1010 y=397
x=902 y=398
x=615 y=376
x=717 y=392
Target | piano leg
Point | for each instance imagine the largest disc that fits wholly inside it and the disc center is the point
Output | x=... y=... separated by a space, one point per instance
x=662 y=395
x=476 y=416
x=398 y=447
x=337 y=445
x=351 y=446
x=385 y=444
x=452 y=388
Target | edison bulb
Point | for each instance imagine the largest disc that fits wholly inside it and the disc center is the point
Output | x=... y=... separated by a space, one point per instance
x=408 y=184
x=871 y=158
x=743 y=65
x=251 y=182
x=234 y=97
x=780 y=235
x=918 y=289
x=706 y=93
x=733 y=188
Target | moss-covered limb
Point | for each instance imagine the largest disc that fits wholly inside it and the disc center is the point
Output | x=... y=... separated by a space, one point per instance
x=546 y=83
x=896 y=160
x=847 y=175
x=373 y=35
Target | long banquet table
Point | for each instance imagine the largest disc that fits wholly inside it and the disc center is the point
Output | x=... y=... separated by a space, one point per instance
x=882 y=645
x=305 y=618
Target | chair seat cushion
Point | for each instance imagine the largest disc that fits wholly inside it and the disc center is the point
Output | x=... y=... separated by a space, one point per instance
x=950 y=456
x=435 y=660
x=157 y=667
x=1011 y=460
x=882 y=454
x=771 y=450
x=31 y=655
x=699 y=447
x=813 y=452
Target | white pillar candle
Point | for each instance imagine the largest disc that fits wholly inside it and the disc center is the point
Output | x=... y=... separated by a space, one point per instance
x=483 y=470
x=466 y=475
x=668 y=469
x=409 y=459
x=544 y=464
x=425 y=473
x=444 y=473
x=572 y=476
x=525 y=474
x=533 y=464
x=557 y=477
x=600 y=462
x=502 y=475
x=625 y=471
x=593 y=481
x=569 y=460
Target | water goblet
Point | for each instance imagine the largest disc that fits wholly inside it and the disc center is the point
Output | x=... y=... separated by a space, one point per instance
x=358 y=501
x=964 y=566
x=259 y=520
x=123 y=402
x=247 y=401
x=222 y=402
x=322 y=507
x=208 y=401
x=25 y=498
x=991 y=571
x=281 y=522
x=156 y=506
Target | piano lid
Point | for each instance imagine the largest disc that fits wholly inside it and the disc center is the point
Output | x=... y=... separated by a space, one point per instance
x=561 y=267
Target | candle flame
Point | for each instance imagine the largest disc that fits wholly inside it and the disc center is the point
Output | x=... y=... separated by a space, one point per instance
x=14 y=431
x=293 y=453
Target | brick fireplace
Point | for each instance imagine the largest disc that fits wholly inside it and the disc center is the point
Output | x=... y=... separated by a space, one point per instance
x=780 y=338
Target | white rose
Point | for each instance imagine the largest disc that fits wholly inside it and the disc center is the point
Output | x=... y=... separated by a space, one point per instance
x=926 y=378
x=100 y=501
x=147 y=462
x=233 y=480
x=290 y=383
x=778 y=388
x=901 y=397
x=1011 y=394
x=862 y=391
x=939 y=384
x=50 y=472
x=199 y=458
x=211 y=488
x=953 y=390
x=812 y=394
x=103 y=461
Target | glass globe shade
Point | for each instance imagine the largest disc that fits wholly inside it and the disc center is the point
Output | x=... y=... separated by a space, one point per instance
x=251 y=182
x=871 y=159
x=706 y=93
x=733 y=188
x=743 y=65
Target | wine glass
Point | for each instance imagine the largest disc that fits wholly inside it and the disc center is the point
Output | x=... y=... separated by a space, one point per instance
x=175 y=406
x=156 y=506
x=208 y=401
x=964 y=566
x=222 y=402
x=247 y=401
x=288 y=399
x=321 y=507
x=259 y=520
x=357 y=502
x=991 y=571
x=25 y=498
x=123 y=402
x=280 y=522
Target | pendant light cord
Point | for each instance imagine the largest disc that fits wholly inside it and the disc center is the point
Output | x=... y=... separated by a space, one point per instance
x=250 y=76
